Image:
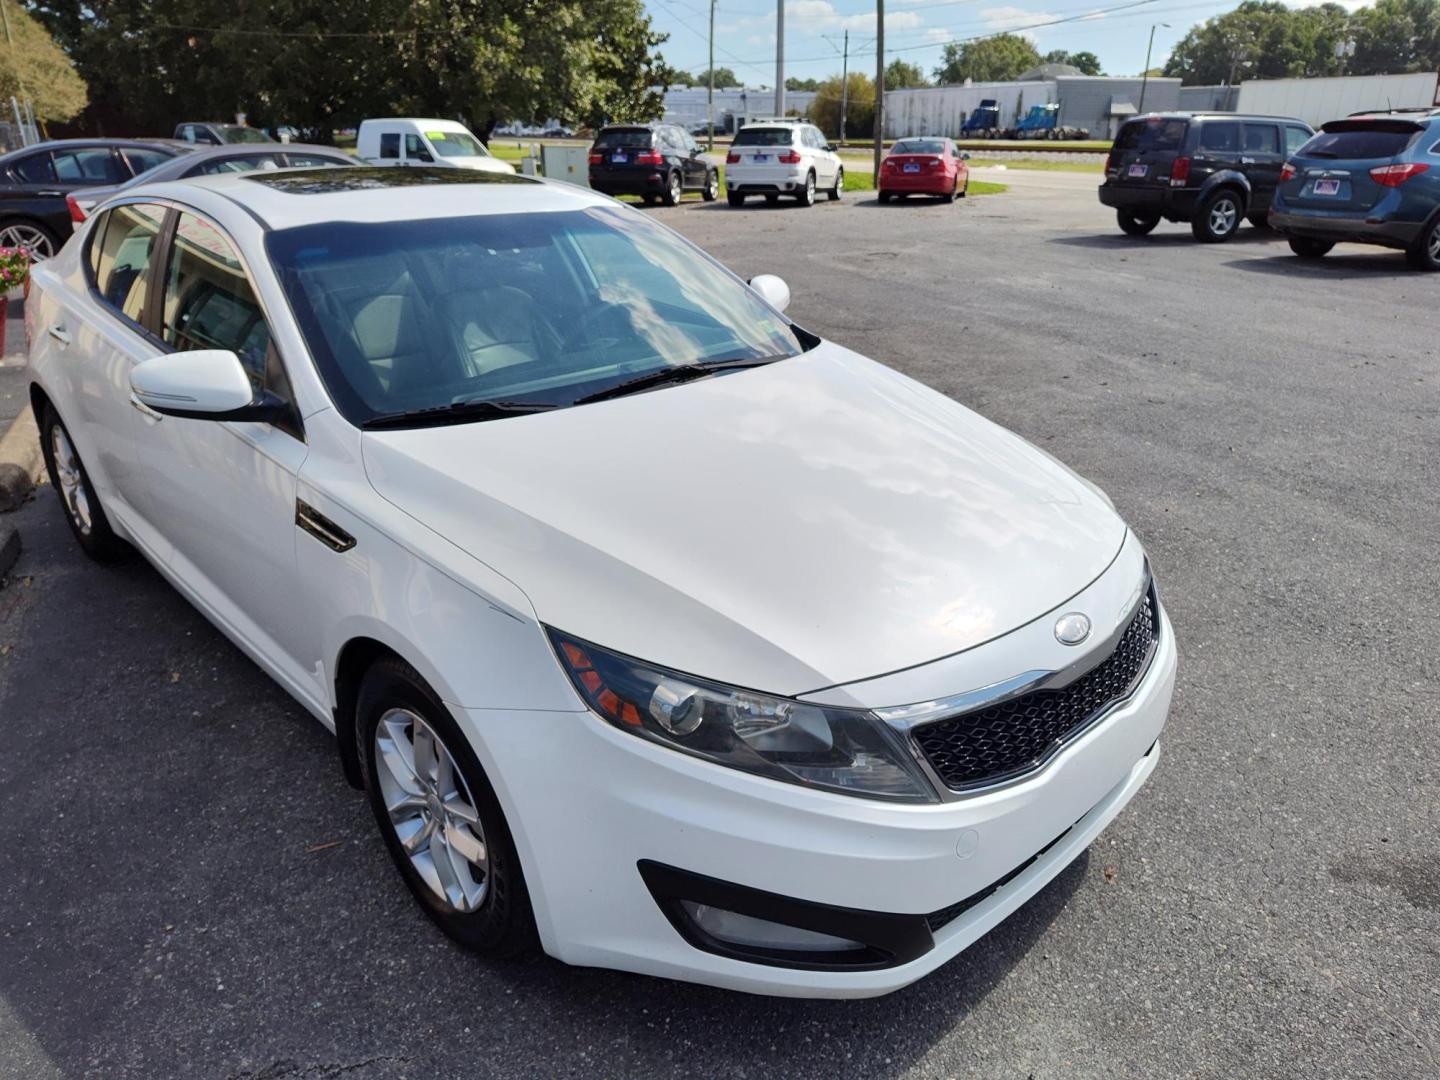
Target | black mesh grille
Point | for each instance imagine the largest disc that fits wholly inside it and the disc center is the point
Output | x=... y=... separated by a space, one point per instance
x=1017 y=736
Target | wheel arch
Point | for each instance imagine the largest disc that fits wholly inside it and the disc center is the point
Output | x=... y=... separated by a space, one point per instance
x=1226 y=178
x=356 y=657
x=39 y=402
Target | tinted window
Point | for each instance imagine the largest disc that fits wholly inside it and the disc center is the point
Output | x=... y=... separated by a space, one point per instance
x=314 y=161
x=96 y=165
x=1221 y=136
x=624 y=137
x=546 y=307
x=764 y=137
x=919 y=146
x=208 y=300
x=126 y=242
x=1359 y=144
x=235 y=163
x=1262 y=139
x=1155 y=133
x=415 y=148
x=35 y=169
x=390 y=145
x=1295 y=138
x=235 y=133
x=143 y=160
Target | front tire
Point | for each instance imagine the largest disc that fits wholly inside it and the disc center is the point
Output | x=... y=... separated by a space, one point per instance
x=1307 y=248
x=83 y=512
x=438 y=814
x=835 y=192
x=1218 y=218
x=1424 y=253
x=1134 y=225
x=807 y=193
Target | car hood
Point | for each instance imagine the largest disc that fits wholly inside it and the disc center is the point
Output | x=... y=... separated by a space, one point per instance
x=812 y=522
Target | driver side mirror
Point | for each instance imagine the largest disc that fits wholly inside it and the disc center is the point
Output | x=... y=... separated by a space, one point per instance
x=772 y=289
x=203 y=384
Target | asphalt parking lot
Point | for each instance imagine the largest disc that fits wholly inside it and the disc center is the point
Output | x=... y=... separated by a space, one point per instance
x=187 y=886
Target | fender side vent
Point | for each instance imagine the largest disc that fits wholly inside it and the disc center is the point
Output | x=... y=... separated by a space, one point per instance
x=322 y=528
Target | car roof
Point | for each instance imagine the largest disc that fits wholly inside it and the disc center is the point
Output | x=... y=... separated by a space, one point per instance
x=1203 y=115
x=287 y=198
x=202 y=153
x=431 y=121
x=60 y=144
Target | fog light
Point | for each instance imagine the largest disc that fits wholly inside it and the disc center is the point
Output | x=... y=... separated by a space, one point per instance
x=749 y=932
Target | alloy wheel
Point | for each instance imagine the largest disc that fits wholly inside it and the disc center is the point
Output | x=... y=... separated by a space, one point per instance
x=675 y=190
x=28 y=237
x=1435 y=245
x=71 y=480
x=431 y=809
x=1224 y=216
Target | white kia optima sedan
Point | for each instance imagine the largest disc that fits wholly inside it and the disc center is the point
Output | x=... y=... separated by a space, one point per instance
x=659 y=631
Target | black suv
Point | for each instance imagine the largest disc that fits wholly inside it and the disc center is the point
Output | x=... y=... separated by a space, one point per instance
x=658 y=161
x=1210 y=169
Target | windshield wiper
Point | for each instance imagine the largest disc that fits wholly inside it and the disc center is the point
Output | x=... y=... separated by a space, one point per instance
x=668 y=375
x=455 y=412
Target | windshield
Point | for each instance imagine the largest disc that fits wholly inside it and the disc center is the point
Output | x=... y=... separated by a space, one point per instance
x=764 y=137
x=233 y=133
x=456 y=144
x=541 y=307
x=1152 y=133
x=919 y=146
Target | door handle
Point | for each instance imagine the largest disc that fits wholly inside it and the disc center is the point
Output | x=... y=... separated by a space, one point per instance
x=60 y=334
x=50 y=193
x=1247 y=161
x=145 y=410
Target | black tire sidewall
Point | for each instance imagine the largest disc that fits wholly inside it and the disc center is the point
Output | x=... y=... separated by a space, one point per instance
x=1134 y=224
x=503 y=925
x=1419 y=253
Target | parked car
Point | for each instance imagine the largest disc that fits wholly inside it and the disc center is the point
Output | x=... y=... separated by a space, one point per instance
x=34 y=182
x=434 y=143
x=1209 y=169
x=207 y=133
x=1373 y=178
x=924 y=167
x=422 y=445
x=216 y=159
x=657 y=161
x=782 y=157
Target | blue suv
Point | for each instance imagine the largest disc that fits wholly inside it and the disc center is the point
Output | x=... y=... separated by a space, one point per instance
x=1372 y=178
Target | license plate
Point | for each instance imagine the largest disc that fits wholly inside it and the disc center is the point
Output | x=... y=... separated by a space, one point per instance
x=619 y=159
x=912 y=168
x=1327 y=187
x=761 y=157
x=1139 y=170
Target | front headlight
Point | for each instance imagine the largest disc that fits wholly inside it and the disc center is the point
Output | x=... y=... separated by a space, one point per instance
x=846 y=750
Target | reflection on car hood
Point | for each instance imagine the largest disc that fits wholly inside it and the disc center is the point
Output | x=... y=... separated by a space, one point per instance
x=816 y=521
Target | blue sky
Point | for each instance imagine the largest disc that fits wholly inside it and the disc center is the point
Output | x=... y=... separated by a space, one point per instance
x=915 y=30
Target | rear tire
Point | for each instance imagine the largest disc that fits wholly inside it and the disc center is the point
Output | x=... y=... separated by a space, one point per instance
x=734 y=198
x=83 y=512
x=883 y=196
x=491 y=916
x=673 y=190
x=807 y=193
x=1307 y=248
x=1134 y=225
x=1218 y=218
x=1424 y=253
x=966 y=189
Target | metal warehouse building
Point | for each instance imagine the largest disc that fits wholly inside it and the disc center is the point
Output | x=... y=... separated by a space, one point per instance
x=686 y=105
x=1099 y=103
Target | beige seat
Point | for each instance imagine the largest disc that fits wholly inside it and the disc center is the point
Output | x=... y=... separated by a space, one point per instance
x=496 y=327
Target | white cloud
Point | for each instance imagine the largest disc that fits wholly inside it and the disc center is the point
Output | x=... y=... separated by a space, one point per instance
x=1012 y=18
x=818 y=16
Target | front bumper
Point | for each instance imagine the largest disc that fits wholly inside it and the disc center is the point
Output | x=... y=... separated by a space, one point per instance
x=1355 y=227
x=588 y=804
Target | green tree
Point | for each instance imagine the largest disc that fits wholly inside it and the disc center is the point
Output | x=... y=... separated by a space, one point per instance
x=32 y=65
x=1087 y=62
x=1396 y=36
x=1260 y=39
x=793 y=83
x=992 y=59
x=860 y=110
x=724 y=77
x=900 y=75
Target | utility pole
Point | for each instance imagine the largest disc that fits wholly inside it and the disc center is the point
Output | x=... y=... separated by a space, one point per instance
x=879 y=86
x=1145 y=75
x=779 y=58
x=844 y=85
x=710 y=95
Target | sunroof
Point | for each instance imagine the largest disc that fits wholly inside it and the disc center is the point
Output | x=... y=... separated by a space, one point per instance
x=374 y=178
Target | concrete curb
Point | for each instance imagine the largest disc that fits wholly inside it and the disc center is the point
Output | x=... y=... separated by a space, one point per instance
x=21 y=466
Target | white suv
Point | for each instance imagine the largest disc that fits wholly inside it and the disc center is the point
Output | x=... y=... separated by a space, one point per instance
x=779 y=157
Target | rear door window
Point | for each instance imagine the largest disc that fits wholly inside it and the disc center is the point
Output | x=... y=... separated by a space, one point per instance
x=1295 y=138
x=237 y=163
x=1155 y=134
x=1220 y=136
x=1262 y=139
x=126 y=243
x=89 y=165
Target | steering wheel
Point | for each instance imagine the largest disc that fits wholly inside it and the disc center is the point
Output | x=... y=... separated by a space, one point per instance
x=589 y=331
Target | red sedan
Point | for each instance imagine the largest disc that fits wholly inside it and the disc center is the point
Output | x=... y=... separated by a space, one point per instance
x=929 y=166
